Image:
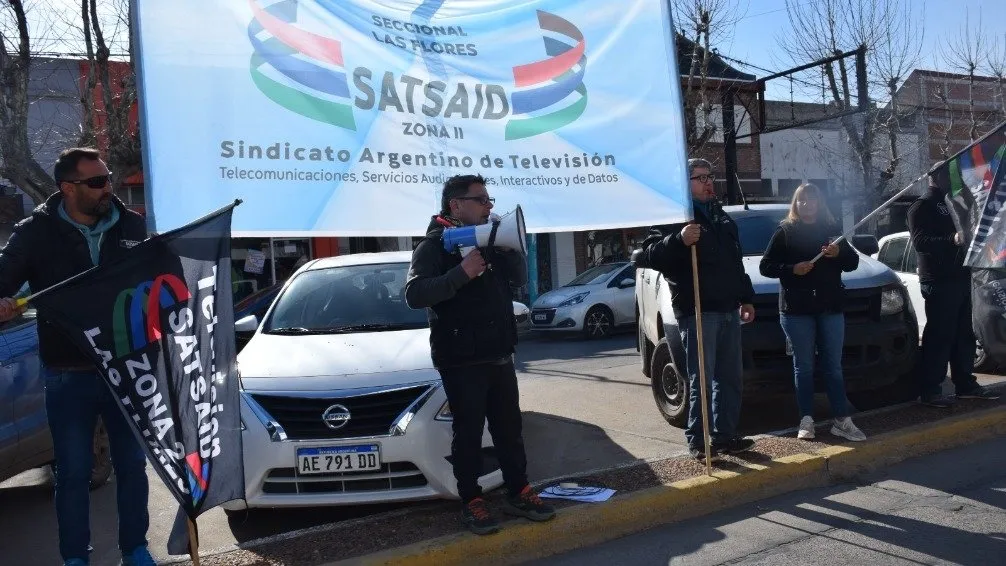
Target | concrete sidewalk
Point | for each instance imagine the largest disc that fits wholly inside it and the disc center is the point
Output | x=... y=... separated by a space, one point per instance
x=948 y=507
x=651 y=493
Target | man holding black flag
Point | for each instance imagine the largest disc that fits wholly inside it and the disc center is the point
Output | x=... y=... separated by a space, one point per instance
x=77 y=228
x=945 y=282
x=472 y=336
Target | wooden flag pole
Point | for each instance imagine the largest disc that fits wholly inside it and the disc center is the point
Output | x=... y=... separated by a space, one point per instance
x=193 y=543
x=702 y=362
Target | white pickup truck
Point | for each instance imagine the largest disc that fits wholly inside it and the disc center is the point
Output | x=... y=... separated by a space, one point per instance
x=881 y=339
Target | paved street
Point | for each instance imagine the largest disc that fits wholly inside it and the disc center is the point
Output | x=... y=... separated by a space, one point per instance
x=586 y=406
x=948 y=508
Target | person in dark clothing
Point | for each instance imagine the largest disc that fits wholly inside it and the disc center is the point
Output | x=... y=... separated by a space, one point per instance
x=810 y=303
x=945 y=283
x=77 y=228
x=726 y=294
x=472 y=339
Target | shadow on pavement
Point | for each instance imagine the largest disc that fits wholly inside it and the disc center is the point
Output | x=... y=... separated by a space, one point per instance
x=28 y=521
x=565 y=349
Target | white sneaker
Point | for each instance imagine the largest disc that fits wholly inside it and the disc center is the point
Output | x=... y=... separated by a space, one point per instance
x=843 y=427
x=806 y=431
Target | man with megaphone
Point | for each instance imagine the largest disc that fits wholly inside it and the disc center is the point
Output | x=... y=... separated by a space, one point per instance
x=462 y=272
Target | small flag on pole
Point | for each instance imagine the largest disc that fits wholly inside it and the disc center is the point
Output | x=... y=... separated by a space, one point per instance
x=972 y=182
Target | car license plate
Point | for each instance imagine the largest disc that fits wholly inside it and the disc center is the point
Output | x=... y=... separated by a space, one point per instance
x=332 y=459
x=540 y=317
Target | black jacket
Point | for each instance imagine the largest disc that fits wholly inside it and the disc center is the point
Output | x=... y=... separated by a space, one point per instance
x=44 y=249
x=932 y=230
x=471 y=320
x=723 y=284
x=820 y=290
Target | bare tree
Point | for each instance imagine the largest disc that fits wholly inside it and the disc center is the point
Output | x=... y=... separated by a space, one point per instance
x=964 y=52
x=892 y=39
x=116 y=97
x=19 y=164
x=703 y=23
x=995 y=64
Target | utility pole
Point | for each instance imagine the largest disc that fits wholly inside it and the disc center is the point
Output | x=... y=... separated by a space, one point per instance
x=730 y=146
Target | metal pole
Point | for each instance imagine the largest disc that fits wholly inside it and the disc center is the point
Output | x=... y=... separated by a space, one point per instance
x=272 y=258
x=532 y=268
x=730 y=146
x=884 y=206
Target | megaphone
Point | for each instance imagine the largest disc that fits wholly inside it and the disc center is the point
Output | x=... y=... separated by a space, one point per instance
x=501 y=232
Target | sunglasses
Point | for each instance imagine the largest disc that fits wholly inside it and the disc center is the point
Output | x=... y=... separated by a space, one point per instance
x=481 y=200
x=98 y=182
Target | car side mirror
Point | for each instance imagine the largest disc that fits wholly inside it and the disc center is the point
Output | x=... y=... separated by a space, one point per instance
x=247 y=324
x=866 y=243
x=520 y=310
x=626 y=283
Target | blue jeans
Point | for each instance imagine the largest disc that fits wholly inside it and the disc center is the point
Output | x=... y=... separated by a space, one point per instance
x=811 y=336
x=721 y=341
x=73 y=401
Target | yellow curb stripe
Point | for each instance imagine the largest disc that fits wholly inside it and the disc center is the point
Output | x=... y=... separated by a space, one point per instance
x=588 y=524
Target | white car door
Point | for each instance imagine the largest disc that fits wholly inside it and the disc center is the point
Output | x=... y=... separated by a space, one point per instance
x=910 y=277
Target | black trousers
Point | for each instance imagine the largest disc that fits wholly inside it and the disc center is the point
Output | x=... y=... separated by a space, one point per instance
x=477 y=393
x=947 y=338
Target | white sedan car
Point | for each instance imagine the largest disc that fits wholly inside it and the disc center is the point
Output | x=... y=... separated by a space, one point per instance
x=897 y=252
x=594 y=303
x=340 y=403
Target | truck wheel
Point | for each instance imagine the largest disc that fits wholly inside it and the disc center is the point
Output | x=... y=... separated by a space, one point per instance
x=983 y=362
x=670 y=388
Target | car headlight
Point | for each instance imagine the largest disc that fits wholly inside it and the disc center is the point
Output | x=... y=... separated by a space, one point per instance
x=575 y=299
x=892 y=301
x=444 y=414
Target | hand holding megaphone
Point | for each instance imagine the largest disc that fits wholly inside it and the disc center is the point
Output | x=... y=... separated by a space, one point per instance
x=473 y=263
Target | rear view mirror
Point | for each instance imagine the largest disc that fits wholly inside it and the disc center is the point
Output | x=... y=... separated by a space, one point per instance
x=866 y=243
x=246 y=324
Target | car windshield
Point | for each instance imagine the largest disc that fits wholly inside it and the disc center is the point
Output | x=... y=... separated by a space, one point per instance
x=356 y=298
x=595 y=274
x=755 y=231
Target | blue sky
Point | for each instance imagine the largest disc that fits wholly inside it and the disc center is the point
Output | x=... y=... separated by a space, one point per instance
x=755 y=38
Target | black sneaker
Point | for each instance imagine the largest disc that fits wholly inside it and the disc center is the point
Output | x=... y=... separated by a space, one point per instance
x=529 y=506
x=700 y=454
x=478 y=519
x=979 y=392
x=938 y=402
x=735 y=445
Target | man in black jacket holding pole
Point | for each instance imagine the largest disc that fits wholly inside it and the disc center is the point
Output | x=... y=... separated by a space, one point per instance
x=945 y=283
x=725 y=294
x=77 y=228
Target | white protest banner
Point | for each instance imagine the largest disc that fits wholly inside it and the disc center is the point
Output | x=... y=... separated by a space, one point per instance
x=344 y=117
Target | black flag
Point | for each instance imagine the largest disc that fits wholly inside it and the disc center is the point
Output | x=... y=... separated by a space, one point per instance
x=159 y=325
